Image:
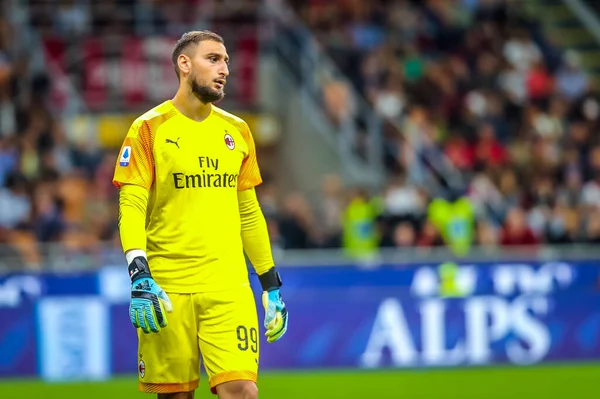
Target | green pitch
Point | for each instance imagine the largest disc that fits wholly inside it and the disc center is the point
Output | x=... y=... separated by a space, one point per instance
x=547 y=382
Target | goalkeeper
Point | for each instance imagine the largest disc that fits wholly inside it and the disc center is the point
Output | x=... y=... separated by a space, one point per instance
x=187 y=212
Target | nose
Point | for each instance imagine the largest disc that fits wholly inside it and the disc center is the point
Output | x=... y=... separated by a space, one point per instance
x=224 y=70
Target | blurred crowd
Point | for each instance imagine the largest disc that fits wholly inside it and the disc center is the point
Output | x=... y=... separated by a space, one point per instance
x=470 y=82
x=53 y=191
x=57 y=202
x=473 y=87
x=74 y=18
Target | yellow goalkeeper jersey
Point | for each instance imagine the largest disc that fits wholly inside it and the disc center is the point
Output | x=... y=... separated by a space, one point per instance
x=193 y=171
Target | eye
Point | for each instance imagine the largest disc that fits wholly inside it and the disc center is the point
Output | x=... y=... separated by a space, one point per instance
x=213 y=59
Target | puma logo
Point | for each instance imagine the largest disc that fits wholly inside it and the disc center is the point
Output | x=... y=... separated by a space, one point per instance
x=167 y=141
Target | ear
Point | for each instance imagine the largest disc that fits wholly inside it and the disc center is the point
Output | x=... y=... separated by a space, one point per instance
x=185 y=63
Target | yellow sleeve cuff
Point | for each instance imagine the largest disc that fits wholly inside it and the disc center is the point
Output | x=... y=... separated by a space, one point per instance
x=133 y=201
x=255 y=236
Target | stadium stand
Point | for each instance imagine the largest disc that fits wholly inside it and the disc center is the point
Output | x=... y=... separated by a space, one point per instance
x=480 y=84
x=476 y=82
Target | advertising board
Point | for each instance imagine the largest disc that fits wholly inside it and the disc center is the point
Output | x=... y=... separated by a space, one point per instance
x=448 y=315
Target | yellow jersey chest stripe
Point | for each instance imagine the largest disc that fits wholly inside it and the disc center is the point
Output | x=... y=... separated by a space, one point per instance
x=198 y=155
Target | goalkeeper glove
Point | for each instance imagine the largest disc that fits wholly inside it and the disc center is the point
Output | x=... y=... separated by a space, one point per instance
x=276 y=315
x=149 y=303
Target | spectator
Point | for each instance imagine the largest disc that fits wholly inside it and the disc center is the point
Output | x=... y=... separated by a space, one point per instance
x=571 y=81
x=49 y=224
x=331 y=211
x=360 y=236
x=296 y=223
x=591 y=190
x=521 y=52
x=15 y=205
x=592 y=229
x=488 y=150
x=402 y=199
x=459 y=152
x=8 y=158
x=429 y=236
x=455 y=219
x=404 y=235
x=516 y=232
x=487 y=235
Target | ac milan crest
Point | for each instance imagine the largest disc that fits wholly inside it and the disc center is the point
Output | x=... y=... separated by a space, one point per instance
x=229 y=141
x=142 y=368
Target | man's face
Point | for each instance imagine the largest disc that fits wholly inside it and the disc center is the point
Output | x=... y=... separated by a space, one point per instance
x=209 y=70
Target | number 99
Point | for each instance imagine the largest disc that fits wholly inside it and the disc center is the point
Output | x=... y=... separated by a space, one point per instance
x=247 y=341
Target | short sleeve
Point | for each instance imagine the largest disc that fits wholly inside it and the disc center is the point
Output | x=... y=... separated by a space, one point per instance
x=135 y=162
x=249 y=172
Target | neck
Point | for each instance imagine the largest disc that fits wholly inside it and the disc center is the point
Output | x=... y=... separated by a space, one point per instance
x=190 y=106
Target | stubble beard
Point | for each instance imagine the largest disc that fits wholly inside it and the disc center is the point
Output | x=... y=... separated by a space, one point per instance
x=205 y=93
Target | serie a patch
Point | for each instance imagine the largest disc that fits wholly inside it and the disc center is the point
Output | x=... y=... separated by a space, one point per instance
x=125 y=156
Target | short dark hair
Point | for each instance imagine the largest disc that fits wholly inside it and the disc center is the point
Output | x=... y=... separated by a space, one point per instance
x=193 y=37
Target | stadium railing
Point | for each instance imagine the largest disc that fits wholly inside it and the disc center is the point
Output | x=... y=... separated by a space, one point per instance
x=587 y=15
x=58 y=257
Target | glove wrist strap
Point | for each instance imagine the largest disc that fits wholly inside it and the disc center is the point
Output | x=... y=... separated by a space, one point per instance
x=271 y=280
x=138 y=268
